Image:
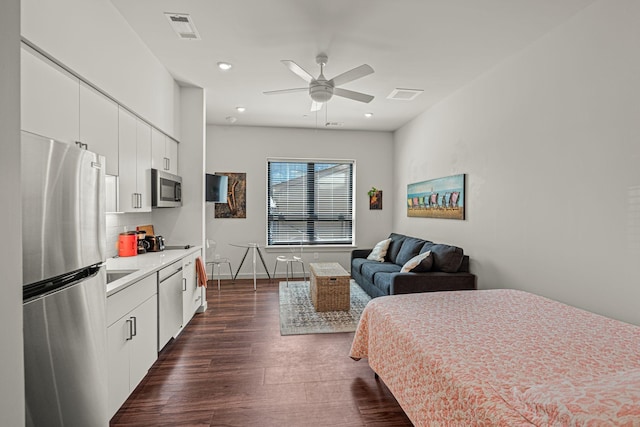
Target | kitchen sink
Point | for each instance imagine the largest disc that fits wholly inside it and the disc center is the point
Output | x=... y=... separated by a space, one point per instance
x=114 y=275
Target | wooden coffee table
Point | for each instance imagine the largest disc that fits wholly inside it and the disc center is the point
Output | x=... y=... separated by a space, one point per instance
x=330 y=287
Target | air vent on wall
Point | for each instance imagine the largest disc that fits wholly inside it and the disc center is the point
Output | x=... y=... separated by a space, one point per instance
x=404 y=94
x=183 y=25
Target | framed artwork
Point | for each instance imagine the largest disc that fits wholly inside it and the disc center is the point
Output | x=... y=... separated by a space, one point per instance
x=236 y=206
x=375 y=200
x=437 y=198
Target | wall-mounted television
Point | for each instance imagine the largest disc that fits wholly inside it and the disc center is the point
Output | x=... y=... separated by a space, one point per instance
x=216 y=188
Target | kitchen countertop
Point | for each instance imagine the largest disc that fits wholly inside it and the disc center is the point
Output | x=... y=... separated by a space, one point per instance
x=144 y=264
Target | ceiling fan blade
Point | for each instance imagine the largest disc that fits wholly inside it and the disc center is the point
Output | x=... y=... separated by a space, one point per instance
x=276 y=92
x=356 y=96
x=298 y=70
x=351 y=75
x=316 y=106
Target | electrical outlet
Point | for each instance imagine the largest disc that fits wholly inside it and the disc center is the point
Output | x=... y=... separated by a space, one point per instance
x=315 y=255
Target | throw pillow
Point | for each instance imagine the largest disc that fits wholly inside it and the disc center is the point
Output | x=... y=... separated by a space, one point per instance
x=446 y=258
x=410 y=248
x=394 y=246
x=419 y=263
x=379 y=251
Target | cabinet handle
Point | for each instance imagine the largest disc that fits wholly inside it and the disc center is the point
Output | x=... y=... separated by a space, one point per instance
x=139 y=200
x=167 y=165
x=184 y=284
x=130 y=322
x=134 y=200
x=135 y=326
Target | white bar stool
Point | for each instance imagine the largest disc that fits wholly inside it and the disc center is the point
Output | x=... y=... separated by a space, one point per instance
x=290 y=260
x=218 y=263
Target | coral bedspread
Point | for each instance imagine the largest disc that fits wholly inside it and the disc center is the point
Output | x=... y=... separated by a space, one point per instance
x=501 y=358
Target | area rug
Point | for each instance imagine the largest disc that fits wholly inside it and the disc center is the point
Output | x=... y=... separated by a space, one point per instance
x=298 y=317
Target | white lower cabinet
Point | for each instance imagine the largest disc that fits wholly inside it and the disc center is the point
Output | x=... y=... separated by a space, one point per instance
x=191 y=292
x=132 y=338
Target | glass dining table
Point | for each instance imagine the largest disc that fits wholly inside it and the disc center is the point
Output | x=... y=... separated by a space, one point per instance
x=256 y=252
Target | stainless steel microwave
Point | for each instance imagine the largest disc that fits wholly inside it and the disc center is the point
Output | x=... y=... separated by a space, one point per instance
x=166 y=189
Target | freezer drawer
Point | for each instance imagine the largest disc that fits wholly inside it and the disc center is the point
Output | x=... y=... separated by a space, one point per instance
x=65 y=347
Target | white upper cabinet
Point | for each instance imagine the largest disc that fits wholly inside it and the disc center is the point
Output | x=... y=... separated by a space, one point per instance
x=99 y=125
x=143 y=166
x=172 y=155
x=49 y=98
x=134 y=154
x=127 y=142
x=164 y=152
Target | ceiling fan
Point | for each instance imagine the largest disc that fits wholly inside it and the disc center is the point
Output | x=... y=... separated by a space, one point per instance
x=322 y=90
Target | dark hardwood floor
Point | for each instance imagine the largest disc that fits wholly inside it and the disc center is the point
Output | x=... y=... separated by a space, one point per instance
x=231 y=367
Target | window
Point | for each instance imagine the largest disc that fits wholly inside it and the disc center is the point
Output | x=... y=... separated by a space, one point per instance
x=310 y=202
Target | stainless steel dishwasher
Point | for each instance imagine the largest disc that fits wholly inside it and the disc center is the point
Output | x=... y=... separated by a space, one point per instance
x=169 y=303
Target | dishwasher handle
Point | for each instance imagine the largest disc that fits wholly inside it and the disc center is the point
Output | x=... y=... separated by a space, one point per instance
x=164 y=279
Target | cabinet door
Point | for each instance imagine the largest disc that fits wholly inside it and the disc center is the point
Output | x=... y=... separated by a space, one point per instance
x=118 y=342
x=127 y=147
x=172 y=155
x=189 y=287
x=158 y=158
x=99 y=125
x=49 y=98
x=143 y=165
x=144 y=345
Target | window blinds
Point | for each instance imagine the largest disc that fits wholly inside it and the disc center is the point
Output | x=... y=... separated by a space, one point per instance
x=310 y=202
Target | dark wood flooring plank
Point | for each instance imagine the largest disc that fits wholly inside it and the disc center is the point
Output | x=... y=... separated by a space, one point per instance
x=231 y=367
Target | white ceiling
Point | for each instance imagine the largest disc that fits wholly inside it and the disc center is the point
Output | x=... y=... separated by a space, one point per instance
x=434 y=45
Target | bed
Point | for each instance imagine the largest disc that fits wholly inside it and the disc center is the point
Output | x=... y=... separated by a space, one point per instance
x=501 y=358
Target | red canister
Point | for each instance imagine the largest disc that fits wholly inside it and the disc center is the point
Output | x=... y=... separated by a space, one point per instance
x=128 y=244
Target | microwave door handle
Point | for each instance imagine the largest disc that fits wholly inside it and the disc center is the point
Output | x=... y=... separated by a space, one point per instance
x=178 y=192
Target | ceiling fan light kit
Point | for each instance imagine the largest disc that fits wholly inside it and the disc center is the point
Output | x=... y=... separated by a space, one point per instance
x=322 y=90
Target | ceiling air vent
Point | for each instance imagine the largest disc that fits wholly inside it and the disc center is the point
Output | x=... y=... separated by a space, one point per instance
x=404 y=94
x=182 y=24
x=334 y=124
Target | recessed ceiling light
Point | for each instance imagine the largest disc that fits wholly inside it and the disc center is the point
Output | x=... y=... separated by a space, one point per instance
x=241 y=109
x=224 y=66
x=368 y=115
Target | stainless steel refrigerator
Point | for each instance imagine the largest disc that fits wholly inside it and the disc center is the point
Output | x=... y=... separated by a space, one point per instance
x=64 y=284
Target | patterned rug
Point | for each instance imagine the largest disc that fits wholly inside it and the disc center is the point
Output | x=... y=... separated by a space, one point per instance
x=298 y=317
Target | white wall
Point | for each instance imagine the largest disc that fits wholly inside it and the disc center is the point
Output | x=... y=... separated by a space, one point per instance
x=246 y=149
x=96 y=42
x=11 y=350
x=186 y=225
x=550 y=141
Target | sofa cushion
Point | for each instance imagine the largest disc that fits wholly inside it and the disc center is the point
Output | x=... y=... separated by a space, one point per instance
x=383 y=282
x=418 y=264
x=446 y=258
x=394 y=246
x=369 y=270
x=379 y=251
x=427 y=247
x=357 y=263
x=410 y=248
